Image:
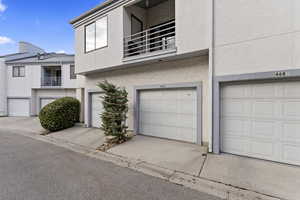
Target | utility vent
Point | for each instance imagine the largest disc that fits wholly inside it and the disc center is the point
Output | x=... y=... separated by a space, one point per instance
x=43 y=56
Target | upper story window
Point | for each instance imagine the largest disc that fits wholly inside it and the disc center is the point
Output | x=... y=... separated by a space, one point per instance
x=51 y=76
x=18 y=71
x=96 y=35
x=72 y=72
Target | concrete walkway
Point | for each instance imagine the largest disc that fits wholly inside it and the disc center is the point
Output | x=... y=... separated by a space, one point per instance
x=278 y=180
x=26 y=124
x=226 y=176
x=179 y=156
x=86 y=137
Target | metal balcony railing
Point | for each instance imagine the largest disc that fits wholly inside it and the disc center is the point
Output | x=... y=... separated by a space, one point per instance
x=158 y=38
x=54 y=81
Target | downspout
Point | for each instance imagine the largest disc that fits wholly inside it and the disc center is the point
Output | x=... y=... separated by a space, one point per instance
x=3 y=88
x=211 y=72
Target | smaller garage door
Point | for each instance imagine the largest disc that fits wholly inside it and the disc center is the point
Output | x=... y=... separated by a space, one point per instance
x=18 y=107
x=169 y=114
x=96 y=110
x=46 y=101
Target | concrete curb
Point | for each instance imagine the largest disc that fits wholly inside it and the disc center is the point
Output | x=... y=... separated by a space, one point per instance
x=211 y=187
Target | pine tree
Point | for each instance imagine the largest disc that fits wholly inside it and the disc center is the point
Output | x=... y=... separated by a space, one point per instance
x=115 y=104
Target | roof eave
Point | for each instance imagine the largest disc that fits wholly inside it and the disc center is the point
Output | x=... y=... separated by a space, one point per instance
x=40 y=63
x=93 y=10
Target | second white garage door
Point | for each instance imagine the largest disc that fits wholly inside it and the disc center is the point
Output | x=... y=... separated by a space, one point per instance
x=96 y=110
x=262 y=121
x=46 y=101
x=18 y=107
x=169 y=114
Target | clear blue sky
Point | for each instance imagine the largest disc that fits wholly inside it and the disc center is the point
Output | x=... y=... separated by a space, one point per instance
x=41 y=22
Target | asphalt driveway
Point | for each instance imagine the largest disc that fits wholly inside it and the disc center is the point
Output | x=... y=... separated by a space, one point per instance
x=34 y=170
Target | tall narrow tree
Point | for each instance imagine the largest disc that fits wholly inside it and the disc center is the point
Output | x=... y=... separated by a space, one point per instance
x=115 y=104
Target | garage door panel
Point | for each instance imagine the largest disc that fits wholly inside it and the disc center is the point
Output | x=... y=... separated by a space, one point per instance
x=190 y=95
x=233 y=126
x=19 y=107
x=170 y=132
x=187 y=107
x=162 y=119
x=233 y=108
x=234 y=145
x=169 y=114
x=96 y=110
x=264 y=91
x=151 y=105
x=158 y=130
x=188 y=134
x=289 y=133
x=262 y=149
x=291 y=154
x=235 y=91
x=264 y=129
x=291 y=109
x=188 y=121
x=263 y=108
x=291 y=89
x=261 y=120
x=167 y=106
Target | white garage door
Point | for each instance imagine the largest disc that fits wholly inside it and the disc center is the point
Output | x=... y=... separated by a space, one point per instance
x=18 y=107
x=262 y=121
x=45 y=102
x=169 y=114
x=96 y=110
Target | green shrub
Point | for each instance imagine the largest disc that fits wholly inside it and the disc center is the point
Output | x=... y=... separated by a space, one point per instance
x=60 y=114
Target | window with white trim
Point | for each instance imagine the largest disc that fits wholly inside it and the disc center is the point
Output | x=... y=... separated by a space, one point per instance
x=18 y=71
x=96 y=35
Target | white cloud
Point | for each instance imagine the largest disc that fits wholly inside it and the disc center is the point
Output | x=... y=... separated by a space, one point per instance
x=5 y=40
x=3 y=7
x=61 y=51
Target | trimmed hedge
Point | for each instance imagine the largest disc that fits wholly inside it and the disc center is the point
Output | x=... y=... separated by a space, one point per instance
x=60 y=114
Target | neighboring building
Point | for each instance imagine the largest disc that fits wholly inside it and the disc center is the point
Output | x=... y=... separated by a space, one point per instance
x=212 y=72
x=33 y=78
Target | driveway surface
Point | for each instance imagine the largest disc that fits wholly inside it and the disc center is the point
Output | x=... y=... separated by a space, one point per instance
x=34 y=170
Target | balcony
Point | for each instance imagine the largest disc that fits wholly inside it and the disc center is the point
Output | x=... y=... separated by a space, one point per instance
x=51 y=76
x=51 y=81
x=154 y=40
x=149 y=29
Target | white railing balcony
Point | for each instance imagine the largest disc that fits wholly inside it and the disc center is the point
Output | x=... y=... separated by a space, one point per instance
x=52 y=81
x=158 y=38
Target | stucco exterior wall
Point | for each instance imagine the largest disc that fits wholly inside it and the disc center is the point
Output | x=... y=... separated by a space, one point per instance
x=66 y=81
x=3 y=91
x=256 y=36
x=30 y=85
x=21 y=86
x=192 y=25
x=190 y=36
x=179 y=71
x=111 y=55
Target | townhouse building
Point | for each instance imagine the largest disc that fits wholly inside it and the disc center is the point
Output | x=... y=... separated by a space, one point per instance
x=224 y=74
x=32 y=78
